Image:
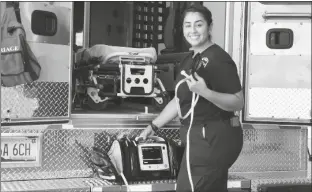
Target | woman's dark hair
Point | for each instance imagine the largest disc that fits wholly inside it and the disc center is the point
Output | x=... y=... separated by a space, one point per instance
x=200 y=9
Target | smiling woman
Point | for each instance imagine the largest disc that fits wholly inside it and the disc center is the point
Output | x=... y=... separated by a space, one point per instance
x=197 y=28
x=208 y=123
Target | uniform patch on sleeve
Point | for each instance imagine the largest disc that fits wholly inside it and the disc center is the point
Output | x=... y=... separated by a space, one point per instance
x=204 y=61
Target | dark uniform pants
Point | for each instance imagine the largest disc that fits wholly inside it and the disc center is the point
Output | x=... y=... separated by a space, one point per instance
x=214 y=147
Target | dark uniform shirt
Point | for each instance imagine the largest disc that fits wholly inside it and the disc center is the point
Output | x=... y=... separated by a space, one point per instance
x=220 y=75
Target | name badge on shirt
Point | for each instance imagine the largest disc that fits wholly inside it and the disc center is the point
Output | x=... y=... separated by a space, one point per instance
x=235 y=121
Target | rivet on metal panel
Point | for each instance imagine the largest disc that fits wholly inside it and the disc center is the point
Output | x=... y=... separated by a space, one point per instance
x=252 y=23
x=275 y=23
x=301 y=23
x=8 y=118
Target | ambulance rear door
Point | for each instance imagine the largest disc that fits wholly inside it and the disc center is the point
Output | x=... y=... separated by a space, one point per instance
x=278 y=63
x=46 y=100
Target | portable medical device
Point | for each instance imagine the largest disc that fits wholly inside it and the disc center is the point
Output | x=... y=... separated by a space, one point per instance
x=154 y=159
x=153 y=156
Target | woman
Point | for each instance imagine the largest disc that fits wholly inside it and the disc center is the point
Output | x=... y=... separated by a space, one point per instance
x=214 y=140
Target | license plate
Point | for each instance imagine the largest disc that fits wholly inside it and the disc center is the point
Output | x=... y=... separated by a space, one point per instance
x=22 y=150
x=234 y=184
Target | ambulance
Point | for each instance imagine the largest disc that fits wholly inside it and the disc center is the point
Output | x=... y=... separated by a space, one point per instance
x=48 y=125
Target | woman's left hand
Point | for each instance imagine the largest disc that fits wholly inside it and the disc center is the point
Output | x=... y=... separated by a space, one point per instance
x=196 y=86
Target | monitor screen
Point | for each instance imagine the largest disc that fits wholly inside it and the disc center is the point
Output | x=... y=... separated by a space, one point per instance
x=152 y=155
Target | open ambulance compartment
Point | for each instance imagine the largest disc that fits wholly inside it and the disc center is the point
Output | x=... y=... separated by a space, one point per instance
x=37 y=113
x=61 y=92
x=127 y=86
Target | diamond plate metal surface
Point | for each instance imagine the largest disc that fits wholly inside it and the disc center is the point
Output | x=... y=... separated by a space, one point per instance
x=26 y=129
x=64 y=185
x=65 y=152
x=269 y=150
x=93 y=182
x=279 y=103
x=35 y=100
x=257 y=183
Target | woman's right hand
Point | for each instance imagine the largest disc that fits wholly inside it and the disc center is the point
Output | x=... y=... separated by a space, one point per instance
x=166 y=115
x=147 y=132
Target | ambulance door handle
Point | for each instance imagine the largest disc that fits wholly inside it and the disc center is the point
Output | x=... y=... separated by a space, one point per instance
x=268 y=15
x=274 y=38
x=279 y=38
